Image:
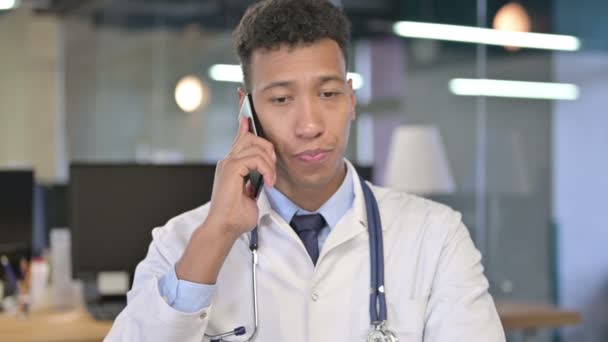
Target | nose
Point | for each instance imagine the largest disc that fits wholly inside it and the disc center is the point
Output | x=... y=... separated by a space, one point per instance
x=309 y=121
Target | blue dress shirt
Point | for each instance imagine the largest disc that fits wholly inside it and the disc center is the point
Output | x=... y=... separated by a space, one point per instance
x=190 y=297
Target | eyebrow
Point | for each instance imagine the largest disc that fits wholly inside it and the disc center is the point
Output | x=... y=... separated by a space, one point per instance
x=277 y=84
x=329 y=78
x=323 y=79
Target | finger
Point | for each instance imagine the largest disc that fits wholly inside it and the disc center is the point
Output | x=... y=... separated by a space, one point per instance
x=254 y=163
x=255 y=150
x=242 y=131
x=248 y=140
x=243 y=126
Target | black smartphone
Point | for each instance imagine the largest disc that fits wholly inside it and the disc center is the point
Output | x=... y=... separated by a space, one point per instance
x=248 y=111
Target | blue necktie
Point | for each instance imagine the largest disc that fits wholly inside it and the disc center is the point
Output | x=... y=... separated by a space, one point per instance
x=307 y=227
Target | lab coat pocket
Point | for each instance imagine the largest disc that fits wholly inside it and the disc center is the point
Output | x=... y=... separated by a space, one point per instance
x=406 y=318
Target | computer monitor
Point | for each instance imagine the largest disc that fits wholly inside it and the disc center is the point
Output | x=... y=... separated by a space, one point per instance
x=114 y=207
x=16 y=208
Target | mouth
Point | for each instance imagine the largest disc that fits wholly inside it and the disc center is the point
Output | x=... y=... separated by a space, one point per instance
x=313 y=156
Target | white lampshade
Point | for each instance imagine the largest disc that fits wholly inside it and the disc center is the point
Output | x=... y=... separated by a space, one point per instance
x=417 y=162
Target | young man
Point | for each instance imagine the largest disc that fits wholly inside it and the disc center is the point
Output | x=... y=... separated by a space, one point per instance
x=313 y=283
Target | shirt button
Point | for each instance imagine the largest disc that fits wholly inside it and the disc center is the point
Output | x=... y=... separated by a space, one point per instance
x=314 y=297
x=204 y=314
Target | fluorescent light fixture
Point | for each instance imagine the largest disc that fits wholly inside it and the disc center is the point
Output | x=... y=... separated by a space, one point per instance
x=233 y=73
x=226 y=73
x=471 y=34
x=357 y=80
x=518 y=89
x=8 y=4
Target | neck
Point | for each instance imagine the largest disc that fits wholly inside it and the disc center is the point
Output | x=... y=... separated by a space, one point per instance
x=311 y=198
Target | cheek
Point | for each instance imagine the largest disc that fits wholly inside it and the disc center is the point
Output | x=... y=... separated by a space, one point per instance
x=341 y=126
x=347 y=130
x=279 y=139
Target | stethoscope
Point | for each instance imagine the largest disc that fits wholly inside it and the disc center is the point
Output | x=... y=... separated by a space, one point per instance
x=377 y=301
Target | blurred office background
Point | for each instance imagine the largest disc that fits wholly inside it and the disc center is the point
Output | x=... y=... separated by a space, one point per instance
x=96 y=81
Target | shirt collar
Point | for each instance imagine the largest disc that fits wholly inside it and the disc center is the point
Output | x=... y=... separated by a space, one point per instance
x=332 y=210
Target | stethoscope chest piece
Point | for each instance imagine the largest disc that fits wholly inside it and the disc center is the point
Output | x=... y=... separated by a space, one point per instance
x=380 y=334
x=376 y=336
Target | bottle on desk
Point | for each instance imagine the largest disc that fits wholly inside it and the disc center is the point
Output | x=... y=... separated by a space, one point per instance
x=64 y=291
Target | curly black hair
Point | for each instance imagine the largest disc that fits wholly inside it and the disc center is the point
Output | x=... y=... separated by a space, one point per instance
x=270 y=24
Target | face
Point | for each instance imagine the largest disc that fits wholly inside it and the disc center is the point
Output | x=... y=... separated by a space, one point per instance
x=305 y=105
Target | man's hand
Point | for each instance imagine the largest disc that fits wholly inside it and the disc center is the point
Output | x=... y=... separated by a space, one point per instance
x=233 y=209
x=233 y=205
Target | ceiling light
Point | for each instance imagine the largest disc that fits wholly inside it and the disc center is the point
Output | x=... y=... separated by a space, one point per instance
x=512 y=17
x=8 y=4
x=517 y=89
x=233 y=73
x=470 y=34
x=191 y=94
x=226 y=73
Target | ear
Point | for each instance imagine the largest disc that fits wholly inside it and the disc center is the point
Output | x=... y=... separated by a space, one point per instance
x=242 y=94
x=353 y=99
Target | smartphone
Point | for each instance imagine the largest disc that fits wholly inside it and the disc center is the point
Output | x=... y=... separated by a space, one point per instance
x=248 y=111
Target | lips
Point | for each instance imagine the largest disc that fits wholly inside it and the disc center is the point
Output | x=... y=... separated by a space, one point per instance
x=313 y=156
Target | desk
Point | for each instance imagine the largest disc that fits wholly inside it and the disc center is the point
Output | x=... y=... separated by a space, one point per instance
x=529 y=318
x=534 y=316
x=79 y=326
x=53 y=327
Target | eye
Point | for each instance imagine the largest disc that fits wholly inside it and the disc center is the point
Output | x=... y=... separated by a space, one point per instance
x=279 y=100
x=329 y=94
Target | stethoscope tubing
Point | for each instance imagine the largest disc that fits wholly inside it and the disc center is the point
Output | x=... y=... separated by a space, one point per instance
x=377 y=304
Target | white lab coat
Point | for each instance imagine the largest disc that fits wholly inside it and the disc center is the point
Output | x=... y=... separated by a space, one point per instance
x=434 y=281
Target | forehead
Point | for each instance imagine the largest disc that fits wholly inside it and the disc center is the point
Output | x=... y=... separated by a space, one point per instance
x=299 y=63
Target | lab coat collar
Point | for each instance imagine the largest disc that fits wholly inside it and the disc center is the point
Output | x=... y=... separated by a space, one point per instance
x=265 y=208
x=342 y=232
x=359 y=200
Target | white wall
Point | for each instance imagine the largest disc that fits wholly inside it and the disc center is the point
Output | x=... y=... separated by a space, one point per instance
x=31 y=94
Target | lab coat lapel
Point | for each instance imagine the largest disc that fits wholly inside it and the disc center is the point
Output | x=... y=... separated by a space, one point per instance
x=353 y=223
x=268 y=217
x=274 y=231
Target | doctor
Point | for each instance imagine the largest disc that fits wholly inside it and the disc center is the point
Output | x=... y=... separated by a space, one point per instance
x=314 y=266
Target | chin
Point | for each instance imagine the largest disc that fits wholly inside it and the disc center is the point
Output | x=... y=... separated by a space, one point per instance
x=319 y=179
x=313 y=181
